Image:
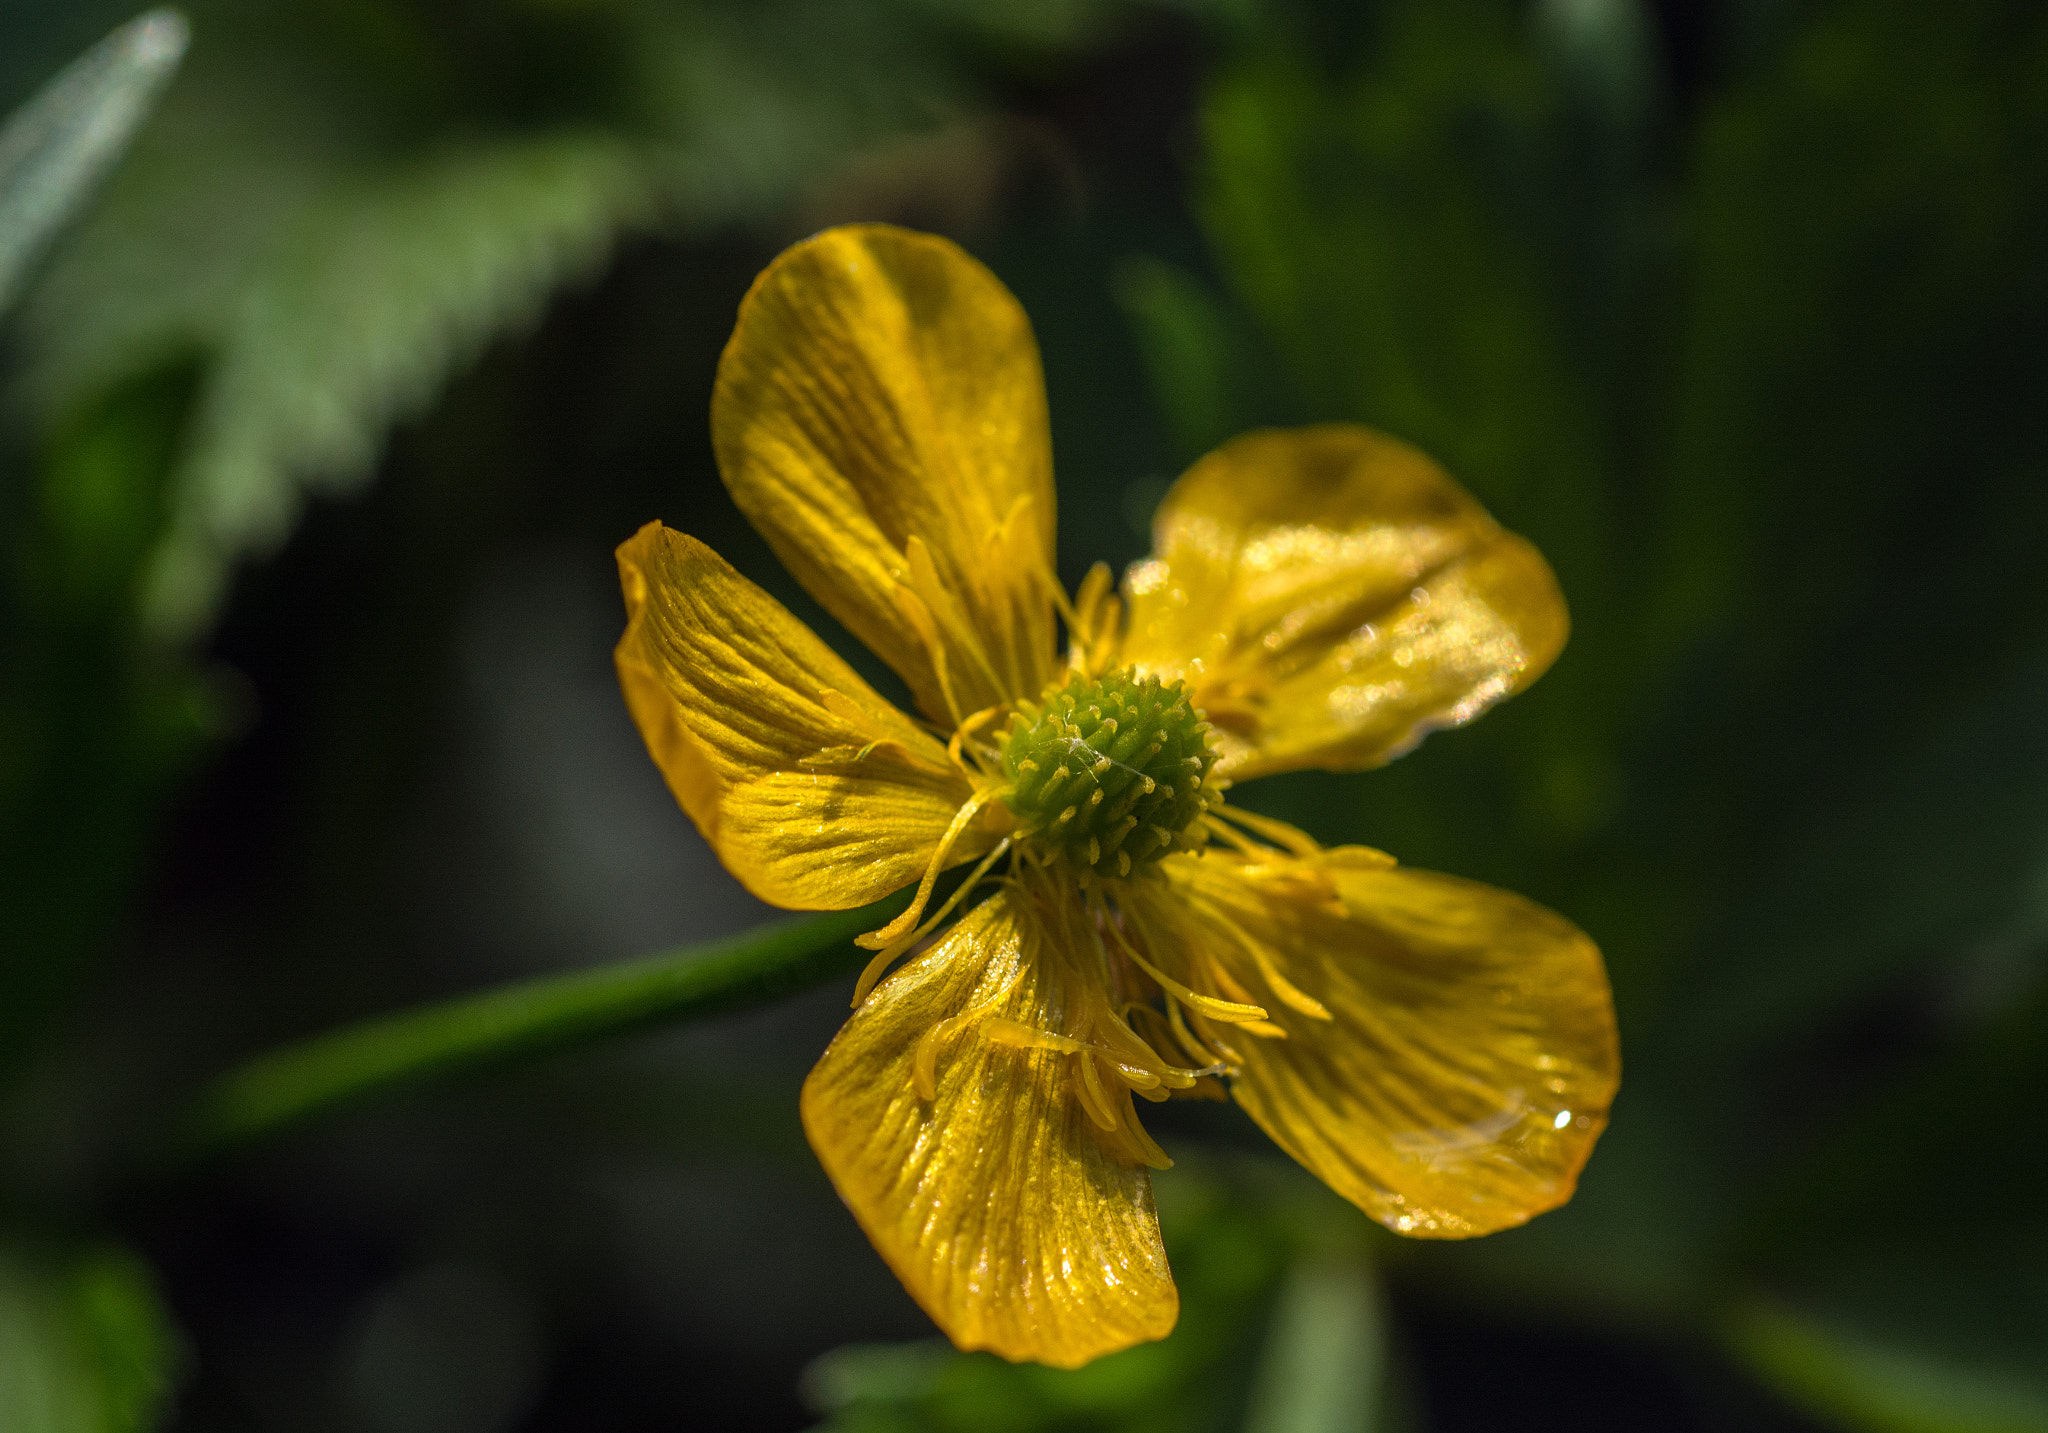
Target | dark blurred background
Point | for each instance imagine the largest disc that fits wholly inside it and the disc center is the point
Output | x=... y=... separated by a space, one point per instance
x=325 y=409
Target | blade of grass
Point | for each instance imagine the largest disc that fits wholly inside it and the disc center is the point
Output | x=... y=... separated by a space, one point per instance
x=285 y=1088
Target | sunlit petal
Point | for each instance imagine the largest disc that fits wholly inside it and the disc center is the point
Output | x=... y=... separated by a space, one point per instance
x=1008 y=1214
x=815 y=792
x=1468 y=1054
x=1331 y=596
x=880 y=416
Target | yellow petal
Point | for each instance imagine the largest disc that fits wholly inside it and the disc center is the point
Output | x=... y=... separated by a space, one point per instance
x=1331 y=596
x=1003 y=1208
x=880 y=416
x=1469 y=1056
x=815 y=792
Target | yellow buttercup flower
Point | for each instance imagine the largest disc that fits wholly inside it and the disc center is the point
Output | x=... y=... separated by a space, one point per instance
x=1441 y=1053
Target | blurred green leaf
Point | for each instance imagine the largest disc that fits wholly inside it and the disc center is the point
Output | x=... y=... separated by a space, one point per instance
x=85 y=1347
x=277 y=1091
x=379 y=293
x=329 y=297
x=1191 y=353
x=353 y=320
x=744 y=106
x=874 y=1373
x=1856 y=510
x=1325 y=1357
x=1940 y=852
x=92 y=738
x=1886 y=1385
x=1608 y=50
x=337 y=216
x=54 y=148
x=1864 y=313
x=1899 y=1276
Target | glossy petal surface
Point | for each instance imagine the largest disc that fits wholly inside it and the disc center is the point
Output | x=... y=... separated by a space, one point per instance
x=1469 y=1054
x=996 y=1202
x=880 y=416
x=759 y=729
x=1331 y=596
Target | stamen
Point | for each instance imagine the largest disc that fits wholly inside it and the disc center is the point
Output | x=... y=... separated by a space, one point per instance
x=1172 y=1076
x=1095 y=1096
x=1012 y=546
x=868 y=977
x=1094 y=625
x=1133 y=1057
x=939 y=600
x=1002 y=1030
x=1228 y=1052
x=1093 y=1099
x=1233 y=838
x=1191 y=1044
x=967 y=728
x=1278 y=832
x=861 y=720
x=1148 y=1150
x=1224 y=1010
x=1137 y=1076
x=879 y=939
x=848 y=755
x=1227 y=982
x=924 y=1061
x=1058 y=594
x=1280 y=985
x=920 y=619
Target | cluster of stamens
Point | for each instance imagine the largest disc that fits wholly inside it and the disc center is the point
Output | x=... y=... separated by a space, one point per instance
x=1110 y=773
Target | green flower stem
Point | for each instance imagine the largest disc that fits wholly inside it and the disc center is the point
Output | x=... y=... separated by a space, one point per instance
x=286 y=1088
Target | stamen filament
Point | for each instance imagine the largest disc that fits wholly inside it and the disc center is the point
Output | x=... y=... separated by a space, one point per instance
x=1093 y=1098
x=924 y=1061
x=1232 y=837
x=852 y=756
x=1137 y=1076
x=1013 y=539
x=1002 y=1030
x=919 y=618
x=1059 y=597
x=886 y=956
x=1278 y=832
x=880 y=939
x=1148 y=1149
x=1227 y=1011
x=1192 y=1044
x=1280 y=985
x=945 y=610
x=965 y=729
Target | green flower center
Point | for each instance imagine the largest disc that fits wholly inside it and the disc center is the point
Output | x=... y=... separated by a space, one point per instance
x=1109 y=772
